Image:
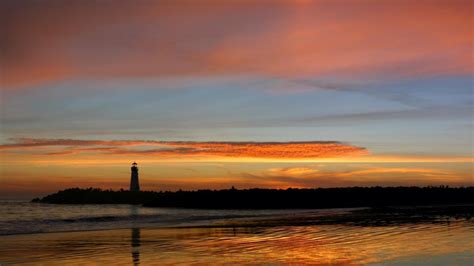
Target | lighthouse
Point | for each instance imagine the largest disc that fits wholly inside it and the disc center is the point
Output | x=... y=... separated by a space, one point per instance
x=134 y=186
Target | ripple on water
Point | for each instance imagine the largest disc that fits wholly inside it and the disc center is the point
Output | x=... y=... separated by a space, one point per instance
x=324 y=244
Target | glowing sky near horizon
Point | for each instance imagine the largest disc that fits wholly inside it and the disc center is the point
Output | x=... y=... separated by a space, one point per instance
x=245 y=93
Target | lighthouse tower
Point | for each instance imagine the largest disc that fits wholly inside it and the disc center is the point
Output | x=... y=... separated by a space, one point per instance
x=134 y=186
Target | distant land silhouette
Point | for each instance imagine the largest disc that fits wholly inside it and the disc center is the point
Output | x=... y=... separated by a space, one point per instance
x=347 y=197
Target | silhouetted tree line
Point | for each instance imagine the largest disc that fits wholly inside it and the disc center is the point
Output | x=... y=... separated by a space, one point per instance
x=272 y=198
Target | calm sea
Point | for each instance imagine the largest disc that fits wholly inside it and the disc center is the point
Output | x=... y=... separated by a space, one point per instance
x=35 y=233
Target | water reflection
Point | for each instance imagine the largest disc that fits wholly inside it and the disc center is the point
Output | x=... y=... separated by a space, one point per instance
x=134 y=210
x=135 y=237
x=325 y=244
x=136 y=246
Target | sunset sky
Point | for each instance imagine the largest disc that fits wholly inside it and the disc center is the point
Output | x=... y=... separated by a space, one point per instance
x=214 y=94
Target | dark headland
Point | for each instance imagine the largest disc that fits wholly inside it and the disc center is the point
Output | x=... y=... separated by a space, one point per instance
x=317 y=198
x=387 y=205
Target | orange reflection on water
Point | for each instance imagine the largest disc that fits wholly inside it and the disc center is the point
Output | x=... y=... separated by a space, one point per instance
x=329 y=244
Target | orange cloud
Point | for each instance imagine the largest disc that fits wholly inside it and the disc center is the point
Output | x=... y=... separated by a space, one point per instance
x=367 y=176
x=399 y=170
x=288 y=150
x=293 y=171
x=98 y=39
x=371 y=171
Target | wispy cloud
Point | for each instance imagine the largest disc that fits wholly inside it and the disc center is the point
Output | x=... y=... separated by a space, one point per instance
x=302 y=176
x=183 y=38
x=286 y=150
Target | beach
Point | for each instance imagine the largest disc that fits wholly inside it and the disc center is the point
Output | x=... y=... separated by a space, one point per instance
x=421 y=244
x=133 y=235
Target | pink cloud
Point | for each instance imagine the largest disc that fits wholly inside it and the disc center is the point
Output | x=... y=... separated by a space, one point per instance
x=54 y=40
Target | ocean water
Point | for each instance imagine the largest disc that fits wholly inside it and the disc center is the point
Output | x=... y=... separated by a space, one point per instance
x=22 y=217
x=34 y=233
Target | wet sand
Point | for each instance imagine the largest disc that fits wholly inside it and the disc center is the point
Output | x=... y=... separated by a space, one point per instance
x=422 y=243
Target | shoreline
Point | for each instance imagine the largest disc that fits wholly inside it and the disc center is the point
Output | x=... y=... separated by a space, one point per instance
x=191 y=227
x=279 y=245
x=268 y=237
x=362 y=217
